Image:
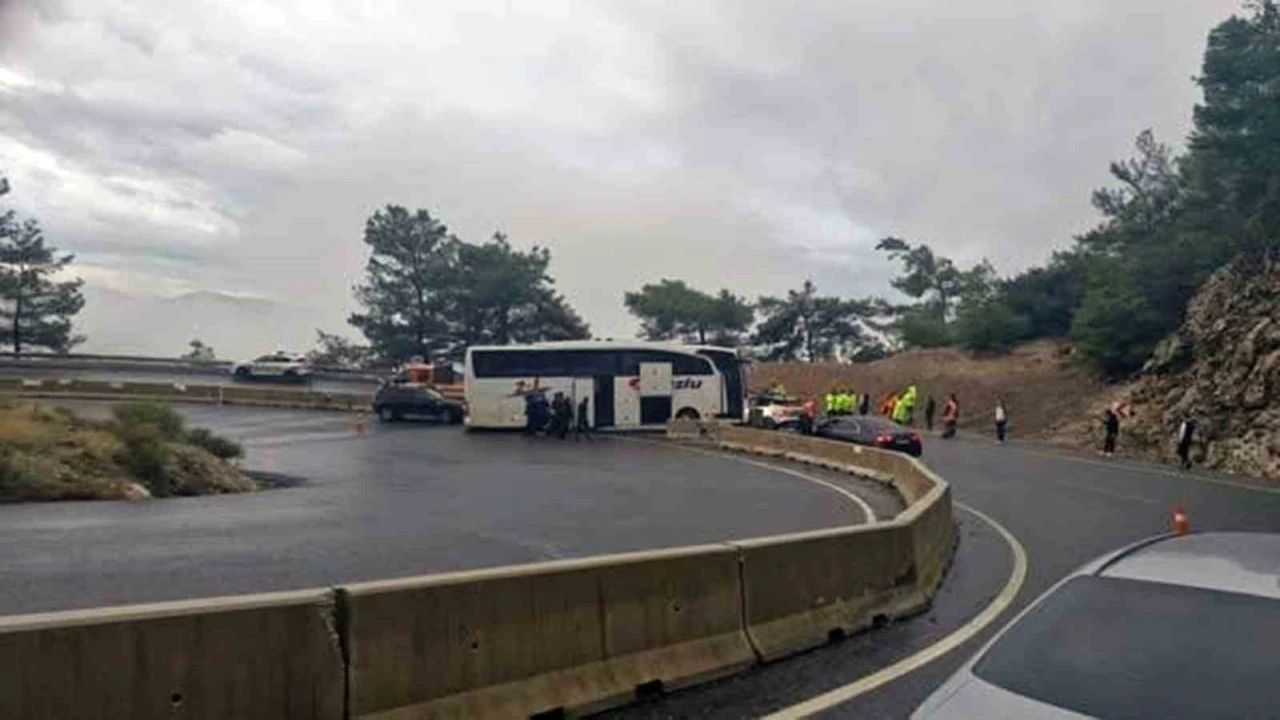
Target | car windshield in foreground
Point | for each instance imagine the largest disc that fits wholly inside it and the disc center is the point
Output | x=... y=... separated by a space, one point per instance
x=1115 y=648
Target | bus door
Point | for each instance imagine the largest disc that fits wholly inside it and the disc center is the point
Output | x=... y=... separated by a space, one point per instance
x=602 y=400
x=626 y=401
x=655 y=393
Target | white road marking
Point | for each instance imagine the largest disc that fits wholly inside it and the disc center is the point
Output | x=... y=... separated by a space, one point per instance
x=862 y=504
x=914 y=662
x=1156 y=471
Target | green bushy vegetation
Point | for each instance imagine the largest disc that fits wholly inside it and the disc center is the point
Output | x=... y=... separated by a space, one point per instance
x=51 y=454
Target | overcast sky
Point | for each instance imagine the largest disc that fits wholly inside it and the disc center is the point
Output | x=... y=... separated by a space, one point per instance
x=239 y=146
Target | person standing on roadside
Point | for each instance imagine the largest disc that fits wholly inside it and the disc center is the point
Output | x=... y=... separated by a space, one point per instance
x=888 y=404
x=808 y=414
x=1111 y=423
x=930 y=409
x=530 y=415
x=583 y=426
x=561 y=413
x=1002 y=420
x=950 y=416
x=904 y=411
x=1186 y=433
x=540 y=414
x=864 y=407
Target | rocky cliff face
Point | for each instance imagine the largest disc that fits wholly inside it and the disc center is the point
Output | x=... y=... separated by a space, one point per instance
x=1223 y=369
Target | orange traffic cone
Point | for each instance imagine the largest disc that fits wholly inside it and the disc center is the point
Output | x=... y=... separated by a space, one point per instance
x=1179 y=522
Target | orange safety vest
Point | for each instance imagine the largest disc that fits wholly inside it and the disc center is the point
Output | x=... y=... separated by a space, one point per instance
x=887 y=406
x=951 y=411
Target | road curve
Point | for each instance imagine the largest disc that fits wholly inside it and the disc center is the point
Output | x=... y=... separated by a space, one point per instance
x=402 y=500
x=1063 y=507
x=393 y=501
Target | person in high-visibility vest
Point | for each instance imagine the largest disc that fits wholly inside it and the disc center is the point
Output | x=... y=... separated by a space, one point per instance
x=830 y=407
x=904 y=408
x=950 y=415
x=888 y=404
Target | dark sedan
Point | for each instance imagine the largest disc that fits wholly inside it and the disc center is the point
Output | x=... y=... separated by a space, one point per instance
x=395 y=401
x=872 y=431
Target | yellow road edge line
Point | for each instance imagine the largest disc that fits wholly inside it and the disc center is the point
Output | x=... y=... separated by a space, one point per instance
x=914 y=662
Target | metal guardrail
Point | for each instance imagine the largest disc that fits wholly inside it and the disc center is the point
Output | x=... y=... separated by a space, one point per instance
x=184 y=392
x=135 y=363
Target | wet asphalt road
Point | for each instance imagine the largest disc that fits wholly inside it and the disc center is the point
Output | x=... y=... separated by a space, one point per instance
x=398 y=500
x=413 y=499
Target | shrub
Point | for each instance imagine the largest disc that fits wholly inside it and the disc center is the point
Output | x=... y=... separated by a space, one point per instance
x=216 y=445
x=167 y=422
x=145 y=453
x=991 y=327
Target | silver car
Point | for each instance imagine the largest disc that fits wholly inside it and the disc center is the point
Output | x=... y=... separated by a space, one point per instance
x=1172 y=627
x=276 y=365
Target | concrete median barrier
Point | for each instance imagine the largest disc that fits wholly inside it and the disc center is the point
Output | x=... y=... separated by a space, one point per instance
x=801 y=591
x=262 y=657
x=571 y=635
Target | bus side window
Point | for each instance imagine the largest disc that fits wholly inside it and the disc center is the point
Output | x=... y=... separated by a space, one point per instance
x=689 y=365
x=589 y=363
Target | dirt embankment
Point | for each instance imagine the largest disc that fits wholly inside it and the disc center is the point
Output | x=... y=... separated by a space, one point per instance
x=1042 y=385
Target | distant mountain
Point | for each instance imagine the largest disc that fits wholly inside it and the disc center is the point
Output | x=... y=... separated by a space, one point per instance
x=236 y=327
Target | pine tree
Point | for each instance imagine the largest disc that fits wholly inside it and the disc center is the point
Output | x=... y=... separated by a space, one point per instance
x=35 y=309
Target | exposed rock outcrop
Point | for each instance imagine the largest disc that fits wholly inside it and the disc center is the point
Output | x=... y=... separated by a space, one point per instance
x=1222 y=368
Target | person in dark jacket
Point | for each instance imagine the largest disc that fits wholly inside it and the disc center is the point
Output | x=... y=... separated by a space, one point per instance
x=1186 y=433
x=1002 y=421
x=930 y=409
x=1111 y=423
x=865 y=406
x=530 y=416
x=583 y=426
x=535 y=412
x=561 y=415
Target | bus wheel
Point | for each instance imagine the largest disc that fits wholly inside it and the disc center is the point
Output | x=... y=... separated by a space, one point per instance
x=687 y=414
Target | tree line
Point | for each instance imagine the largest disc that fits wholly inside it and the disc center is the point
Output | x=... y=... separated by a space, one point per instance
x=1167 y=222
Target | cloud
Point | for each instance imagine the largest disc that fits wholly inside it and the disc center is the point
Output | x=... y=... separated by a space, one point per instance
x=240 y=146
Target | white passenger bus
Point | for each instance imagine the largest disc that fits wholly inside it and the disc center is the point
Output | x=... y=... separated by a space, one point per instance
x=628 y=385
